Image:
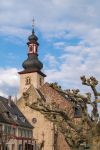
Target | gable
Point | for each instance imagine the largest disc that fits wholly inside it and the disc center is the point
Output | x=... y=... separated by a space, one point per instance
x=33 y=95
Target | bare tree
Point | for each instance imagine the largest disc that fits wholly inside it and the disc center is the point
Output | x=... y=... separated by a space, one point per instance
x=79 y=133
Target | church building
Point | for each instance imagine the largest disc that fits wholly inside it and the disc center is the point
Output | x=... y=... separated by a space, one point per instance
x=32 y=80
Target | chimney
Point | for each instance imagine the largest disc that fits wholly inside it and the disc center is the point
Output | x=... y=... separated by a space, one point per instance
x=15 y=100
x=9 y=100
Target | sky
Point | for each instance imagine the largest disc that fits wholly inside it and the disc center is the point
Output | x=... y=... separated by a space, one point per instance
x=69 y=38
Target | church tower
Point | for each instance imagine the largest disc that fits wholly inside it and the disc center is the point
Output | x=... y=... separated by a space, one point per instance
x=32 y=74
x=44 y=130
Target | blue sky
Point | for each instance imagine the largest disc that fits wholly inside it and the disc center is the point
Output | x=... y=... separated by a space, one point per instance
x=69 y=37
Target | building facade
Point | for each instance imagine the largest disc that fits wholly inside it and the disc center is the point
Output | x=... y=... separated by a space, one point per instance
x=15 y=130
x=32 y=81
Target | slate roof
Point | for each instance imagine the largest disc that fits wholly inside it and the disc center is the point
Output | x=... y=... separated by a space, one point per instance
x=10 y=113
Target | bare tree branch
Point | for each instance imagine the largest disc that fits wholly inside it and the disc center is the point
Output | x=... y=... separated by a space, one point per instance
x=76 y=132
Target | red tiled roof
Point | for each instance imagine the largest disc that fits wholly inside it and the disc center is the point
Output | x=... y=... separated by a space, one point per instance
x=52 y=95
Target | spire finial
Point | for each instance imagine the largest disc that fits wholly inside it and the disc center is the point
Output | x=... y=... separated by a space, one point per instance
x=33 y=22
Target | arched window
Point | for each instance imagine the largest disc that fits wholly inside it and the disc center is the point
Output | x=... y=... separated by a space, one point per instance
x=31 y=48
x=28 y=81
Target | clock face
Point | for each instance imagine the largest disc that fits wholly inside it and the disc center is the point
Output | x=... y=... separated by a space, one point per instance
x=27 y=81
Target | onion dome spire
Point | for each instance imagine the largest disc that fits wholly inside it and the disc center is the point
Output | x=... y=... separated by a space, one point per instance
x=32 y=63
x=33 y=37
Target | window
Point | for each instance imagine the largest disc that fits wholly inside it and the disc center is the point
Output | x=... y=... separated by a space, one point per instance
x=30 y=147
x=7 y=129
x=40 y=81
x=20 y=132
x=26 y=133
x=20 y=147
x=22 y=118
x=13 y=130
x=28 y=81
x=15 y=117
x=30 y=133
x=8 y=114
x=0 y=128
x=77 y=112
x=30 y=48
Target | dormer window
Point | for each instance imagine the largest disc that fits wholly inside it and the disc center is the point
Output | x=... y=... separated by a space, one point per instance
x=8 y=114
x=22 y=119
x=15 y=117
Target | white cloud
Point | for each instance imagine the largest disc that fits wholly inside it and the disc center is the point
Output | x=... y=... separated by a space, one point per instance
x=59 y=45
x=51 y=15
x=63 y=20
x=50 y=61
x=9 y=81
x=12 y=31
x=75 y=61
